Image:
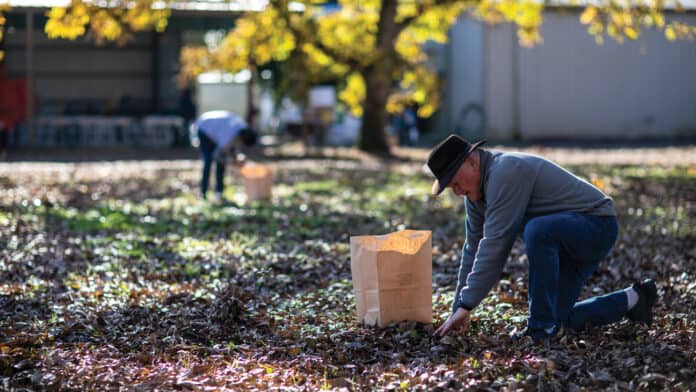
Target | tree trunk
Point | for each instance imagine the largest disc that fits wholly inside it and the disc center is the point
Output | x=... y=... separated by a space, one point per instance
x=373 y=137
x=251 y=102
x=378 y=82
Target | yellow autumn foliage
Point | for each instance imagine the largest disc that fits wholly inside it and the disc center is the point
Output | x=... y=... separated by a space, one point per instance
x=194 y=61
x=67 y=22
x=588 y=15
x=350 y=31
x=114 y=23
x=4 y=7
x=353 y=94
x=670 y=34
x=621 y=20
x=258 y=38
x=109 y=28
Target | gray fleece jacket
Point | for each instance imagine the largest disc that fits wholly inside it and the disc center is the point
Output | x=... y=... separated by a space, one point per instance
x=515 y=188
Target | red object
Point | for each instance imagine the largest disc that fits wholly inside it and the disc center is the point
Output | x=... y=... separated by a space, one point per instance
x=13 y=102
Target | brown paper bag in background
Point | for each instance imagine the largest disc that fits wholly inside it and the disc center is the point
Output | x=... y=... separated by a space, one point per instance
x=258 y=181
x=392 y=277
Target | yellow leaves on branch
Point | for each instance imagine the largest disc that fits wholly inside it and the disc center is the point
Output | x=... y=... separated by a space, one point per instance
x=353 y=94
x=194 y=60
x=147 y=15
x=319 y=66
x=678 y=30
x=419 y=85
x=626 y=20
x=4 y=7
x=258 y=38
x=67 y=22
x=588 y=15
x=432 y=25
x=112 y=22
x=107 y=26
x=351 y=31
x=526 y=14
x=316 y=56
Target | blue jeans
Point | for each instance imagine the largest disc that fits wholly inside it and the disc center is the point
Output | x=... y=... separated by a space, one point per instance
x=207 y=147
x=563 y=250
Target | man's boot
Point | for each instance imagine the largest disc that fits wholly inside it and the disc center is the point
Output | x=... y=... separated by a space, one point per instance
x=642 y=312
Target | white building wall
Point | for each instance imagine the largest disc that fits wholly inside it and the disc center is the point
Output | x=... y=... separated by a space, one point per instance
x=571 y=87
x=500 y=79
x=465 y=74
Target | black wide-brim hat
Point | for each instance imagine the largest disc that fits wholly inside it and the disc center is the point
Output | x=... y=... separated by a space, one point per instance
x=446 y=158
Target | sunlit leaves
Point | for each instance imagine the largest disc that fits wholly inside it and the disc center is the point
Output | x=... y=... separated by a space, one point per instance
x=110 y=28
x=67 y=22
x=432 y=25
x=620 y=20
x=147 y=14
x=353 y=93
x=258 y=38
x=350 y=31
x=4 y=7
x=670 y=34
x=678 y=30
x=115 y=20
x=216 y=299
x=419 y=81
x=260 y=297
x=588 y=15
x=194 y=60
x=526 y=14
x=419 y=85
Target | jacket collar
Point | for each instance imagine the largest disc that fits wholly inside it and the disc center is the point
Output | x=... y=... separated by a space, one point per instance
x=486 y=162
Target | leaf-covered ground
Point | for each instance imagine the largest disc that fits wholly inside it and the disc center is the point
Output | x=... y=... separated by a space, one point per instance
x=114 y=275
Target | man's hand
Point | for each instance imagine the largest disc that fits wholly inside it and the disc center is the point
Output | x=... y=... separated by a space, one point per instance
x=458 y=321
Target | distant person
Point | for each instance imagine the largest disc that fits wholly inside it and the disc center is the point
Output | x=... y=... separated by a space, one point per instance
x=408 y=127
x=220 y=133
x=126 y=106
x=187 y=109
x=4 y=140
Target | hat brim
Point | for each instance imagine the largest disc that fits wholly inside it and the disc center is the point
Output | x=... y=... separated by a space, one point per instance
x=440 y=184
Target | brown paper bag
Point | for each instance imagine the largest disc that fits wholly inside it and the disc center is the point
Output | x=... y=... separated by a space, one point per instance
x=258 y=181
x=392 y=277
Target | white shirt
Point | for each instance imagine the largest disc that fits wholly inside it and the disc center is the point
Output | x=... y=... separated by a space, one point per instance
x=220 y=126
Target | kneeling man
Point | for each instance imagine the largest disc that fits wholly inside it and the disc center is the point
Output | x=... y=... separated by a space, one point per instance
x=568 y=227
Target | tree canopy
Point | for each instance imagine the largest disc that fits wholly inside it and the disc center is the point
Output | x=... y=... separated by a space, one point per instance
x=373 y=46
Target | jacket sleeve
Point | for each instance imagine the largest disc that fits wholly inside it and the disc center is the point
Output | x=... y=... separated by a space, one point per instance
x=474 y=232
x=508 y=193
